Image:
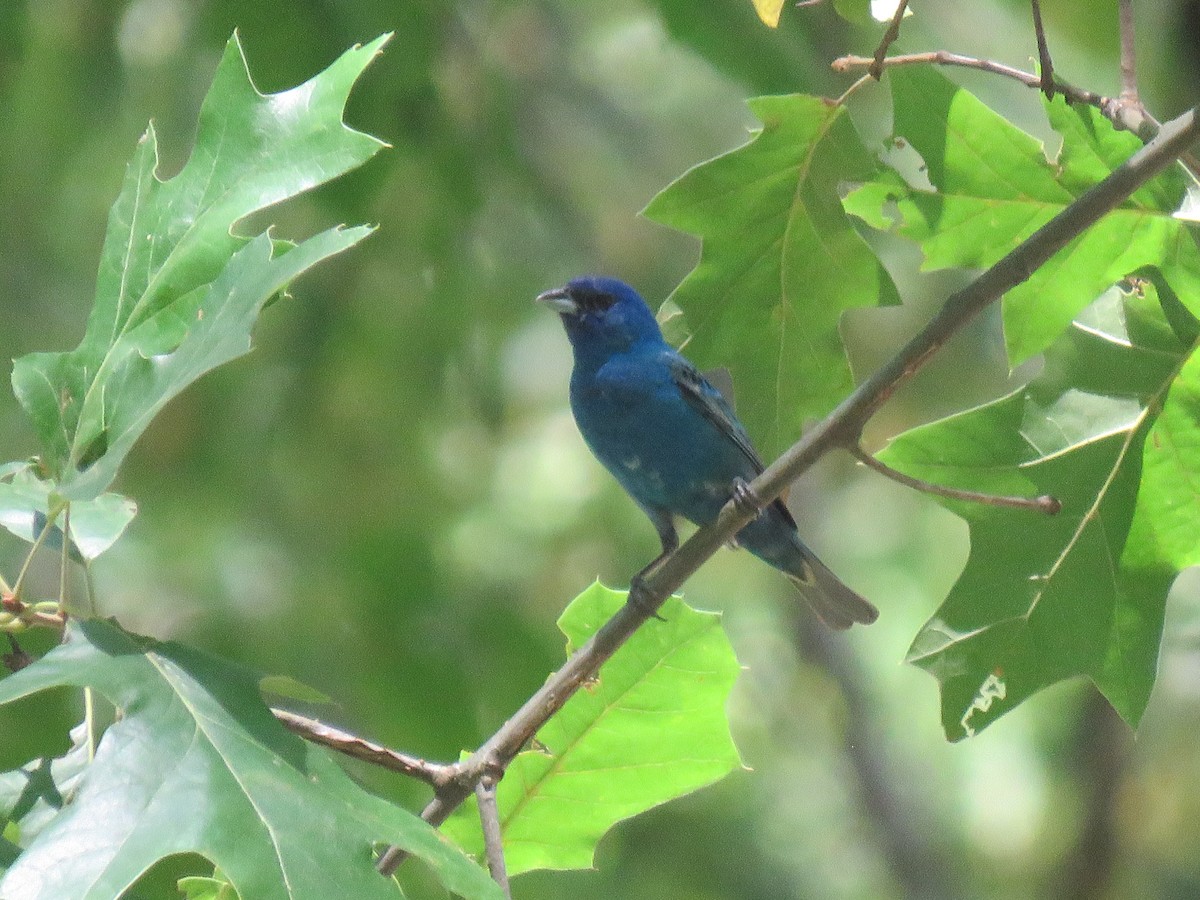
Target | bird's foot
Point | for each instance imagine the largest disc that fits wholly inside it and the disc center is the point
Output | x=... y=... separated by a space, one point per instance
x=744 y=497
x=639 y=595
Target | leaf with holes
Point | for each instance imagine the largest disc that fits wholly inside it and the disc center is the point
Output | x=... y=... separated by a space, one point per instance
x=1047 y=598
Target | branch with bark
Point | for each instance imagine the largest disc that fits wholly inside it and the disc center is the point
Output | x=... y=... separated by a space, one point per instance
x=841 y=429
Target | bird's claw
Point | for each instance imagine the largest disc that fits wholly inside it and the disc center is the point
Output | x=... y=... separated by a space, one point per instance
x=744 y=497
x=639 y=596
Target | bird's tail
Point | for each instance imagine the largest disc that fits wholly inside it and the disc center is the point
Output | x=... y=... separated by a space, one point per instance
x=834 y=603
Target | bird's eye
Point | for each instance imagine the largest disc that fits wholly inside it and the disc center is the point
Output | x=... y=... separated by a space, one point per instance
x=591 y=300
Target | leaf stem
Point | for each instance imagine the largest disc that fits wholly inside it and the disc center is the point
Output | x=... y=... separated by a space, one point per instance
x=89 y=718
x=89 y=585
x=63 y=569
x=850 y=91
x=51 y=515
x=1043 y=504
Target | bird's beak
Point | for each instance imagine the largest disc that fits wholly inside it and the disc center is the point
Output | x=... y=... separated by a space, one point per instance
x=559 y=300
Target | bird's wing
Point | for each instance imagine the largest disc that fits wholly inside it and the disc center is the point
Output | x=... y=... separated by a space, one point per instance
x=710 y=403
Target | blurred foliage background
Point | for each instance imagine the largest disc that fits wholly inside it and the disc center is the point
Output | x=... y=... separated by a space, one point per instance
x=389 y=501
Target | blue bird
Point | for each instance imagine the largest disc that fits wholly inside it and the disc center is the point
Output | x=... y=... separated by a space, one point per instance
x=671 y=439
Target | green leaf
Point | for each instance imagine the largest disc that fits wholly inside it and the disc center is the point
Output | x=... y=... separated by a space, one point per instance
x=652 y=727
x=214 y=887
x=25 y=502
x=780 y=263
x=289 y=688
x=197 y=763
x=856 y=11
x=33 y=795
x=1162 y=542
x=995 y=188
x=171 y=262
x=1047 y=598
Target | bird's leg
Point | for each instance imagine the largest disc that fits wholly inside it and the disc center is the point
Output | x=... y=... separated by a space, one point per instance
x=669 y=537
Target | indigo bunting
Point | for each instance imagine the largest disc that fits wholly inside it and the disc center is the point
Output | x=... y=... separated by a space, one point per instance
x=672 y=441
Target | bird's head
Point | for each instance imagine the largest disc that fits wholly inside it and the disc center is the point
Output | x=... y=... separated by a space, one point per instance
x=602 y=315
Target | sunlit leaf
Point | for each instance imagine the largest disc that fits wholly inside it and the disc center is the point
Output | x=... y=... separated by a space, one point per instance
x=995 y=188
x=652 y=727
x=780 y=263
x=172 y=263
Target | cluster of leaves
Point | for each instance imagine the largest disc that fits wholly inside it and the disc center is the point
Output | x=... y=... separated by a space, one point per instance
x=195 y=762
x=1108 y=428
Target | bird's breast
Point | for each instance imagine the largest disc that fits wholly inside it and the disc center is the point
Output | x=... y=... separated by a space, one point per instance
x=661 y=450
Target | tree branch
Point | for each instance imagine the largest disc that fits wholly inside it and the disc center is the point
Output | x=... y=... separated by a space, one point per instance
x=1129 y=105
x=841 y=428
x=946 y=58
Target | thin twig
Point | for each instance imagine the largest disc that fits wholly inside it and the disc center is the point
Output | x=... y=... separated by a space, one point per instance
x=1133 y=118
x=1129 y=85
x=1129 y=104
x=493 y=842
x=1043 y=504
x=889 y=38
x=435 y=774
x=1045 y=63
x=946 y=58
x=841 y=428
